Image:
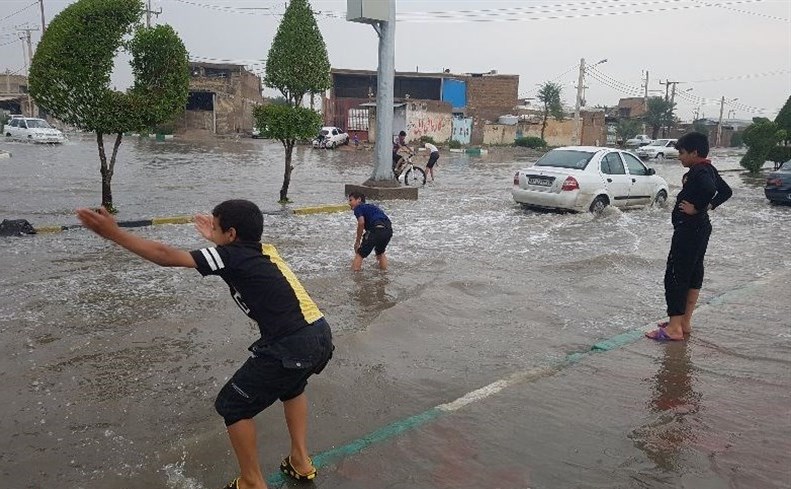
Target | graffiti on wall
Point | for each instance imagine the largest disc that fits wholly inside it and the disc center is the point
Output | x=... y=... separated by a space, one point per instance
x=423 y=122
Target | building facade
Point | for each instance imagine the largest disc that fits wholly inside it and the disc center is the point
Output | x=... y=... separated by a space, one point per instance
x=14 y=97
x=221 y=99
x=442 y=106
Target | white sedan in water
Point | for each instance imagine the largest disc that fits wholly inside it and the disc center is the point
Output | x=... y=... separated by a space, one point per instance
x=588 y=178
x=33 y=130
x=658 y=149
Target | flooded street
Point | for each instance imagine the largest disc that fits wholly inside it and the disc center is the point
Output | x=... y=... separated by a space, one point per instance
x=110 y=365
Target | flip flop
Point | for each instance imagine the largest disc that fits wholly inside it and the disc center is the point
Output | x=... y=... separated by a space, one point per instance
x=661 y=335
x=234 y=484
x=663 y=324
x=289 y=470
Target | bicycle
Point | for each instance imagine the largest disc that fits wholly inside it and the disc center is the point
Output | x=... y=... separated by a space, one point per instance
x=413 y=175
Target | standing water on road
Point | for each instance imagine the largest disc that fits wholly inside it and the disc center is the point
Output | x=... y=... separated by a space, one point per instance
x=110 y=364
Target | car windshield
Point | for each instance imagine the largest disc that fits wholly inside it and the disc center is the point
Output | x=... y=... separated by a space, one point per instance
x=37 y=124
x=564 y=158
x=658 y=142
x=324 y=132
x=786 y=166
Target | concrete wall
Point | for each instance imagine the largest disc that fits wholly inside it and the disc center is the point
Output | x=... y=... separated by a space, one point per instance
x=499 y=134
x=560 y=133
x=428 y=118
x=594 y=129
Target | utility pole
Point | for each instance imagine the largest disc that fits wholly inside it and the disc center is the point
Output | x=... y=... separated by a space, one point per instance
x=580 y=87
x=719 y=123
x=149 y=12
x=28 y=56
x=43 y=24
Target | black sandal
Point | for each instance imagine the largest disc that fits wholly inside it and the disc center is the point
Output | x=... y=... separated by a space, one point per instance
x=289 y=470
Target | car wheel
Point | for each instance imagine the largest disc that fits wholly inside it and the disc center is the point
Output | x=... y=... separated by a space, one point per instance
x=660 y=157
x=598 y=204
x=8 y=134
x=330 y=145
x=661 y=199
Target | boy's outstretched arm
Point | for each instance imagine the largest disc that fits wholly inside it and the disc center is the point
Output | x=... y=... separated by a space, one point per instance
x=103 y=224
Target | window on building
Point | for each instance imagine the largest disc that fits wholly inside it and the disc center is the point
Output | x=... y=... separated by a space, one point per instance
x=200 y=101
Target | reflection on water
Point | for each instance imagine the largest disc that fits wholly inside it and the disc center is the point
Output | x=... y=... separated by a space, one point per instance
x=672 y=402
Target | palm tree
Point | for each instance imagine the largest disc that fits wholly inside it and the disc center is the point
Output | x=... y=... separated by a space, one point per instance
x=549 y=95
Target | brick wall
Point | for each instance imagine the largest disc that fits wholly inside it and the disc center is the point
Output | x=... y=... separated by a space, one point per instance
x=489 y=97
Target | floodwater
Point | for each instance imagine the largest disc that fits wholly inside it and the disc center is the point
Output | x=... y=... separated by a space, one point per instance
x=110 y=365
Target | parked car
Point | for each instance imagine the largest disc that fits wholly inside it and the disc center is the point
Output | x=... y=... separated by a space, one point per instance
x=778 y=185
x=32 y=129
x=659 y=149
x=588 y=178
x=637 y=141
x=330 y=137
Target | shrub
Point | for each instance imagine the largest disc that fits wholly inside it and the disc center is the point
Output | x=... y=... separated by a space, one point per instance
x=453 y=144
x=779 y=154
x=427 y=139
x=530 y=142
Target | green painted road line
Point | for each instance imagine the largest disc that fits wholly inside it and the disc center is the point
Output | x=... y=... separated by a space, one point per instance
x=396 y=428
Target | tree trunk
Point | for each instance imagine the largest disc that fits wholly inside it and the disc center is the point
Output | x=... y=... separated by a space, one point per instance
x=544 y=122
x=289 y=147
x=107 y=175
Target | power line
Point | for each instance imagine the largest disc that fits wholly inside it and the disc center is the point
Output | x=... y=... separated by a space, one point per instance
x=743 y=77
x=18 y=11
x=749 y=12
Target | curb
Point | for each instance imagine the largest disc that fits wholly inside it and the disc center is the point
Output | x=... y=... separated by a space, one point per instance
x=320 y=209
x=156 y=221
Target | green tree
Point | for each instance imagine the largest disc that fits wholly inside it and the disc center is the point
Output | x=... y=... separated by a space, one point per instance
x=627 y=129
x=549 y=95
x=70 y=74
x=761 y=139
x=783 y=120
x=297 y=64
x=659 y=114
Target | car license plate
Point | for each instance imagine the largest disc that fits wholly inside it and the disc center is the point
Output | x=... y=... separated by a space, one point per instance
x=541 y=182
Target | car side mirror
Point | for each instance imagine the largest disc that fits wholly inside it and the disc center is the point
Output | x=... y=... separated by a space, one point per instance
x=651 y=171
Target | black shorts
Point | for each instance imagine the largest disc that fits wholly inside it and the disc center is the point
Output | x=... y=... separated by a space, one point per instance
x=279 y=370
x=376 y=239
x=432 y=160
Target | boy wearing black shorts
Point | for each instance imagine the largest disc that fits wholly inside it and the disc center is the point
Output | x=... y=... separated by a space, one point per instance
x=295 y=341
x=703 y=190
x=374 y=231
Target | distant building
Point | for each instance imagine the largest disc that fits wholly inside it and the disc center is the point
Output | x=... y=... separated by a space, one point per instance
x=631 y=107
x=221 y=99
x=440 y=105
x=14 y=94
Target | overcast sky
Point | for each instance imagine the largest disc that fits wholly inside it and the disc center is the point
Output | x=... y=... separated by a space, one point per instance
x=740 y=49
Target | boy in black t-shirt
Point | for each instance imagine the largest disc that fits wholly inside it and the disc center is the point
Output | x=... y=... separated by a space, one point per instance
x=703 y=190
x=295 y=341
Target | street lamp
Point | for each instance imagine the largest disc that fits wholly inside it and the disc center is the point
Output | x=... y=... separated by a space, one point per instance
x=719 y=124
x=580 y=95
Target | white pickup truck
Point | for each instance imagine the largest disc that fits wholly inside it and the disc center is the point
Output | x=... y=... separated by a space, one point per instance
x=33 y=130
x=637 y=141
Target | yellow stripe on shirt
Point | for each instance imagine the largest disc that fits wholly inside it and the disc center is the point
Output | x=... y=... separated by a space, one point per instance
x=310 y=311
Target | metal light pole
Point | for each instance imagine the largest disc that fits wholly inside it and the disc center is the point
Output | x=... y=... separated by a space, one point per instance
x=718 y=142
x=578 y=104
x=385 y=87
